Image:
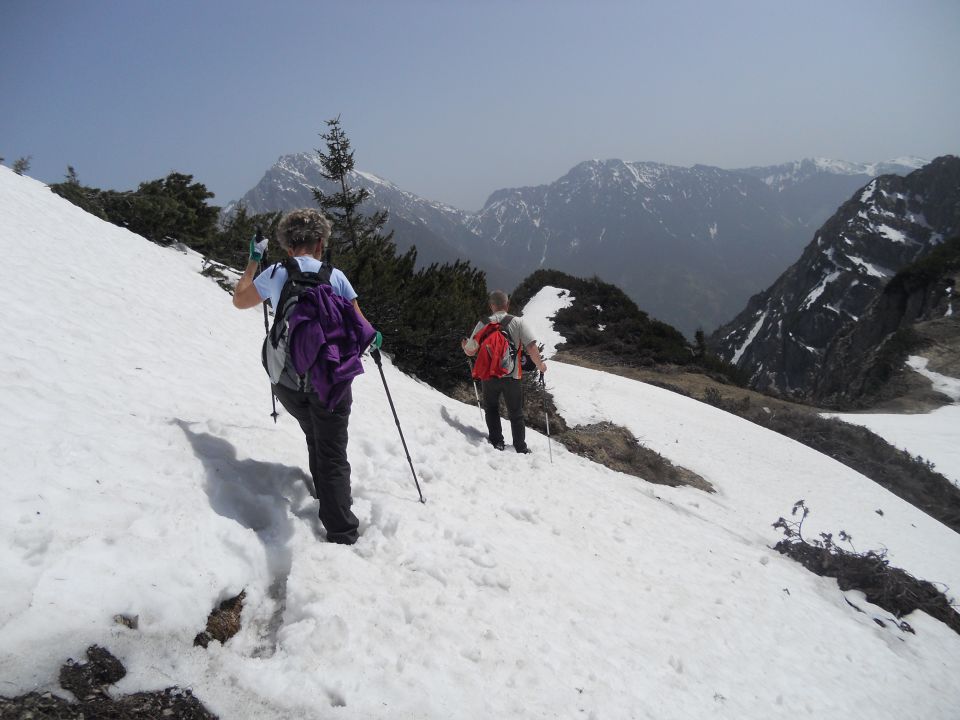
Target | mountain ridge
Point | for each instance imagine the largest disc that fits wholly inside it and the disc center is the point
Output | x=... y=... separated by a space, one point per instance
x=689 y=244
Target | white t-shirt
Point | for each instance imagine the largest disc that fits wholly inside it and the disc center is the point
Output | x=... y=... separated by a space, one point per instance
x=269 y=284
x=519 y=333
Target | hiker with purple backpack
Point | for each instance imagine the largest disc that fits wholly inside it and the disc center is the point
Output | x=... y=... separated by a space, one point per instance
x=312 y=353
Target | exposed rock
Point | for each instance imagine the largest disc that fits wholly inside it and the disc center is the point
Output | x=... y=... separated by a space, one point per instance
x=785 y=332
x=89 y=681
x=865 y=366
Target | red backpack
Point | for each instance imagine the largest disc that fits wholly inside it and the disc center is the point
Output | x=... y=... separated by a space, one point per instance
x=496 y=356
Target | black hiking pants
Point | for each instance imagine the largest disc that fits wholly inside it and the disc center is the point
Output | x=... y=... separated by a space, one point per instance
x=326 y=434
x=512 y=392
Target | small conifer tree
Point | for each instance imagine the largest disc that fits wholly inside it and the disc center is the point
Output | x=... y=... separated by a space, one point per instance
x=350 y=227
x=700 y=344
x=22 y=165
x=421 y=313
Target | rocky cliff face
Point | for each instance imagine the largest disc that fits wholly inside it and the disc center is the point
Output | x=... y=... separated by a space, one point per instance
x=785 y=333
x=914 y=313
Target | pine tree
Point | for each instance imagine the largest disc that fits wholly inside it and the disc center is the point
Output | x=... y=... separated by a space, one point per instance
x=421 y=313
x=172 y=208
x=350 y=227
x=22 y=165
x=700 y=344
x=71 y=177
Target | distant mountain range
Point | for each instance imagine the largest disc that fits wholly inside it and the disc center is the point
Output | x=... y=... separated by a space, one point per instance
x=689 y=245
x=811 y=333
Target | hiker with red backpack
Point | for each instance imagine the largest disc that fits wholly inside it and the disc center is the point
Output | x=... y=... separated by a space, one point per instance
x=312 y=353
x=499 y=343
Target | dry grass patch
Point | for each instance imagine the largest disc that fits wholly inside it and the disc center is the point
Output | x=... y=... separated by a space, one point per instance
x=616 y=447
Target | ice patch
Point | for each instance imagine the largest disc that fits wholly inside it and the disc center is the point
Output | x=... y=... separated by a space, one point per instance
x=818 y=290
x=892 y=234
x=750 y=338
x=870 y=268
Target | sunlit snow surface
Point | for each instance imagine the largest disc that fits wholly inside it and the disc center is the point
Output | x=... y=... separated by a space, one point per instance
x=144 y=476
x=934 y=436
x=539 y=312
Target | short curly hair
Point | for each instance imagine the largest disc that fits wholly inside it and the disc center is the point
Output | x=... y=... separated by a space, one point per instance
x=303 y=228
x=498 y=300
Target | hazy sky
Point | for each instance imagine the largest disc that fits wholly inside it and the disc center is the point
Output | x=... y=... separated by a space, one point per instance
x=453 y=100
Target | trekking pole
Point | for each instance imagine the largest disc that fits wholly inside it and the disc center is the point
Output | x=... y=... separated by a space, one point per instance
x=476 y=393
x=375 y=354
x=546 y=417
x=266 y=327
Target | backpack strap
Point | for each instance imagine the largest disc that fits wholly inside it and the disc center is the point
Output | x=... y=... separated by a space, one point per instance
x=504 y=324
x=516 y=351
x=294 y=275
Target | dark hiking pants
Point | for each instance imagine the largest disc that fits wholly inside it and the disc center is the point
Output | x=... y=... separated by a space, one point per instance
x=512 y=392
x=326 y=434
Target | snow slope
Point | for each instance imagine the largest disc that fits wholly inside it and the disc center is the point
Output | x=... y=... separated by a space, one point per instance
x=144 y=476
x=934 y=436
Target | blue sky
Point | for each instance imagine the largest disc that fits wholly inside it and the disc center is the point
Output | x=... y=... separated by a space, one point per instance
x=453 y=100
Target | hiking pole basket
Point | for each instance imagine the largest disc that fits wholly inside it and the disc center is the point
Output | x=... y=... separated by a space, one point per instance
x=375 y=354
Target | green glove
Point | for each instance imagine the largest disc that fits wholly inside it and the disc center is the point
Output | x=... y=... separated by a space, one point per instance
x=258 y=247
x=377 y=341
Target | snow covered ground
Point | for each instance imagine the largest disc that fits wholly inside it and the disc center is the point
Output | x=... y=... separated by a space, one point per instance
x=539 y=312
x=144 y=476
x=934 y=436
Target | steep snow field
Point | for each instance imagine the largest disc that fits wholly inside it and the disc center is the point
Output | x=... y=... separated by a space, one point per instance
x=144 y=476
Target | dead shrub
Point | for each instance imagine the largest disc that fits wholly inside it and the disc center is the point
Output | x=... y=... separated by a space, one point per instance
x=893 y=589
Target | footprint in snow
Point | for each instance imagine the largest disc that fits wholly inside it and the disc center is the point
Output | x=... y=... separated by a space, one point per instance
x=495 y=580
x=521 y=513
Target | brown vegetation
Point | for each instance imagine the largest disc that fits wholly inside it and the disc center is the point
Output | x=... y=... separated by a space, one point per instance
x=223 y=622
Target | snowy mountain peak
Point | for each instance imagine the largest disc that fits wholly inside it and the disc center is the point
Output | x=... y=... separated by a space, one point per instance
x=787 y=175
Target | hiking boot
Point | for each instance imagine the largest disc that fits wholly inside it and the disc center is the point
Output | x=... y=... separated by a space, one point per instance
x=498 y=445
x=524 y=450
